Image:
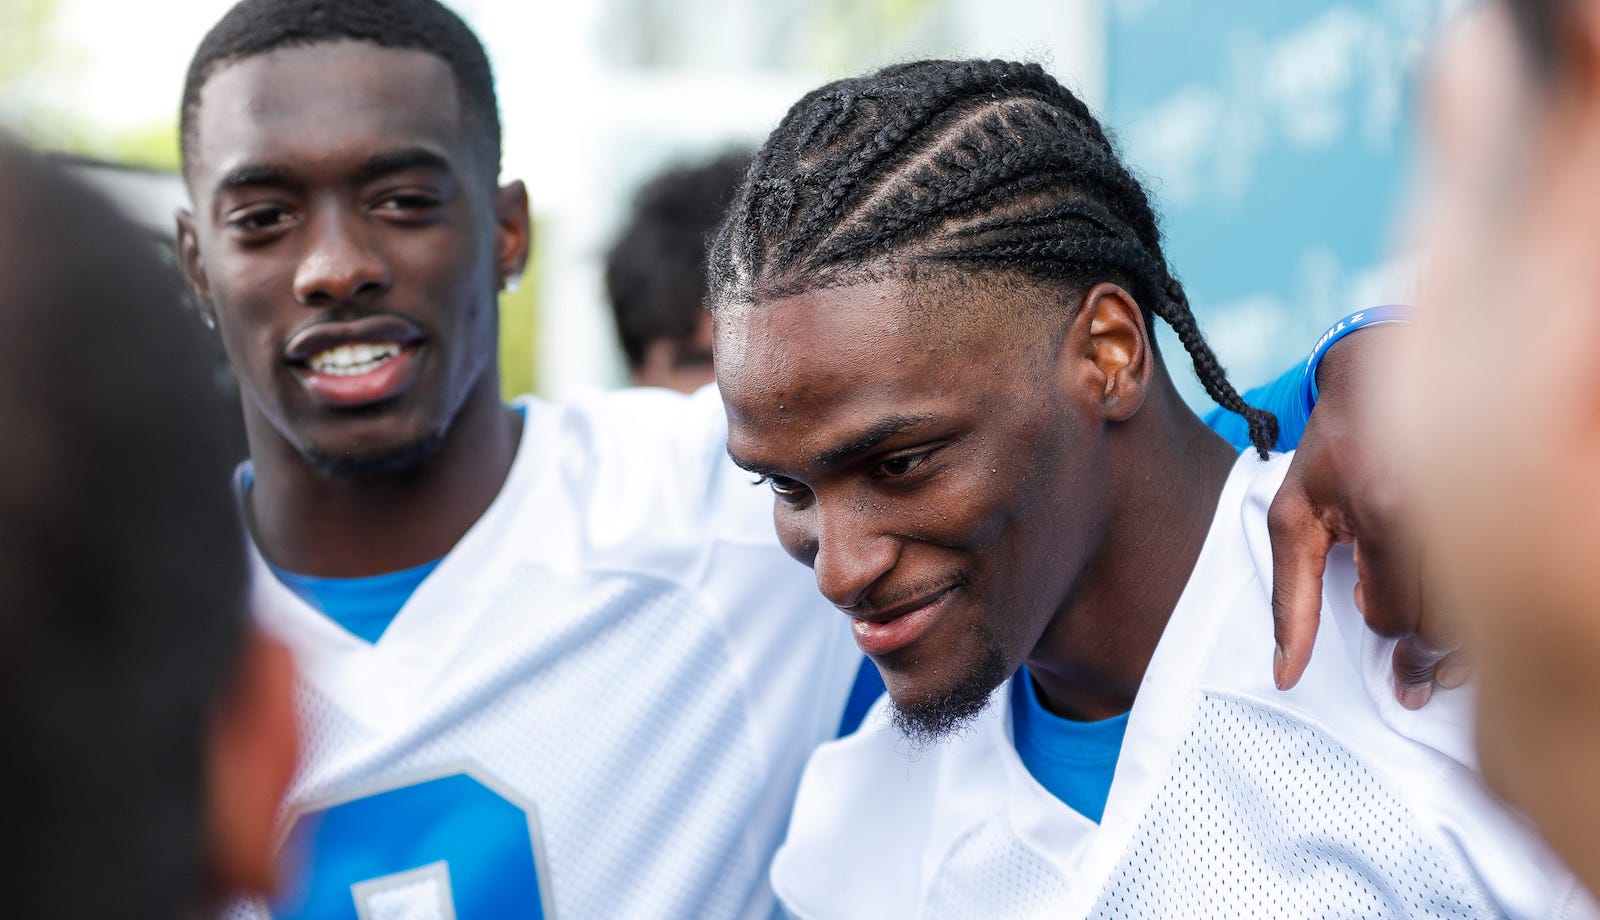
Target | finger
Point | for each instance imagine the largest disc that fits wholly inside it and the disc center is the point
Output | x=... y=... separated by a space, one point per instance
x=1393 y=602
x=1300 y=546
x=1388 y=581
x=1453 y=670
x=1361 y=597
x=1389 y=588
x=1415 y=666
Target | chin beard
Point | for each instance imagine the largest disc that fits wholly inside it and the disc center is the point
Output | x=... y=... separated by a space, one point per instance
x=391 y=462
x=930 y=721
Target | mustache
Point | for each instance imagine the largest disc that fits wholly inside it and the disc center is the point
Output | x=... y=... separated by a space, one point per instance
x=899 y=599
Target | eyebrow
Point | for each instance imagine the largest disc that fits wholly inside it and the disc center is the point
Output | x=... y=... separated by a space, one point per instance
x=398 y=160
x=884 y=429
x=881 y=431
x=255 y=175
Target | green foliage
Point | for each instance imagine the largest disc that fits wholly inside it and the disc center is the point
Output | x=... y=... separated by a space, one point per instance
x=153 y=146
x=848 y=36
x=25 y=38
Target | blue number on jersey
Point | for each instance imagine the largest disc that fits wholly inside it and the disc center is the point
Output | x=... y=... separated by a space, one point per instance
x=451 y=846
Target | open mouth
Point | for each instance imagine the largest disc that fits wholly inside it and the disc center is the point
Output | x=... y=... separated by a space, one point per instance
x=353 y=360
x=357 y=362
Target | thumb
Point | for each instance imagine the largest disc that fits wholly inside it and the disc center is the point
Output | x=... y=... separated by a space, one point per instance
x=1300 y=546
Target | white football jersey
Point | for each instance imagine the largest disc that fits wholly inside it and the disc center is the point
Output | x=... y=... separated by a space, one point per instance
x=598 y=705
x=1230 y=799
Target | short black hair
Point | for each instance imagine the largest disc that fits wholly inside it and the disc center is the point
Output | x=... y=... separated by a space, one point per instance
x=656 y=270
x=975 y=165
x=255 y=27
x=122 y=590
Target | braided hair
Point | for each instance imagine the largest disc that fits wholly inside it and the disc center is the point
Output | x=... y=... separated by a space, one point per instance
x=978 y=165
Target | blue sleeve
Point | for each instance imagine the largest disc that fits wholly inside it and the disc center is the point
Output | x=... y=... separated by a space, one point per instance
x=1284 y=397
x=1294 y=394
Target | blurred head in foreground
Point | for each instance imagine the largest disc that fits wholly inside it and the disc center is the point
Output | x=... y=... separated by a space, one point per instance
x=149 y=730
x=656 y=272
x=1505 y=408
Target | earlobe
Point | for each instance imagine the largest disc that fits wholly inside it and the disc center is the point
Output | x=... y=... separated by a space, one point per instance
x=514 y=232
x=1118 y=348
x=193 y=264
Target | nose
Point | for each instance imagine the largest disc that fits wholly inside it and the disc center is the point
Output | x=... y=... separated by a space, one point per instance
x=851 y=555
x=342 y=263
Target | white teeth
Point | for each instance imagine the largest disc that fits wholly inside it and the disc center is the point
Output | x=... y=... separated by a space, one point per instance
x=352 y=360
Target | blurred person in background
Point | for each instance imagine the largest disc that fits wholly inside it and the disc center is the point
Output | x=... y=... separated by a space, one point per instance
x=149 y=726
x=656 y=272
x=1504 y=408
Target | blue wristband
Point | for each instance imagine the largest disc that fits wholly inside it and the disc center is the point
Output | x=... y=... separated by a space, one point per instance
x=1361 y=319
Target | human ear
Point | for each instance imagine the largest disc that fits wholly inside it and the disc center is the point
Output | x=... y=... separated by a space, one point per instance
x=251 y=752
x=513 y=233
x=194 y=266
x=1116 y=359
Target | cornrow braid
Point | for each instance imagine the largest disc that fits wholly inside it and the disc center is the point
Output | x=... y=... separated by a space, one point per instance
x=985 y=165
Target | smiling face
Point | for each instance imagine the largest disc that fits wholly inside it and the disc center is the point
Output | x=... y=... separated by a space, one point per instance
x=930 y=465
x=349 y=242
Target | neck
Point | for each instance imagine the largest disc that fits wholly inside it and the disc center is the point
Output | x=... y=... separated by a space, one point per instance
x=350 y=526
x=1166 y=483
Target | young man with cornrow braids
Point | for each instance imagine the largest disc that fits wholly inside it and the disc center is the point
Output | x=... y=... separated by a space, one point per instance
x=934 y=303
x=554 y=660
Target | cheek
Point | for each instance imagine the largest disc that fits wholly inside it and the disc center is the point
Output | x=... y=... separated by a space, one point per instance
x=796 y=532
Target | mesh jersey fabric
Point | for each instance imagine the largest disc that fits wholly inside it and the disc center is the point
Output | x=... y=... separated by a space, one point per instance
x=618 y=651
x=1230 y=799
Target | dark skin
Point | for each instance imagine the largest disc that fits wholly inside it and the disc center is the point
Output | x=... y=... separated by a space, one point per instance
x=259 y=293
x=338 y=196
x=1341 y=487
x=1038 y=482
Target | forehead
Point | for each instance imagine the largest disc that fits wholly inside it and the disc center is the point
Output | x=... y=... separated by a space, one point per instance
x=824 y=361
x=325 y=105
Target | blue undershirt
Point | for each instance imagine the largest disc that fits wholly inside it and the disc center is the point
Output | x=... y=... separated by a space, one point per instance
x=363 y=606
x=1073 y=761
